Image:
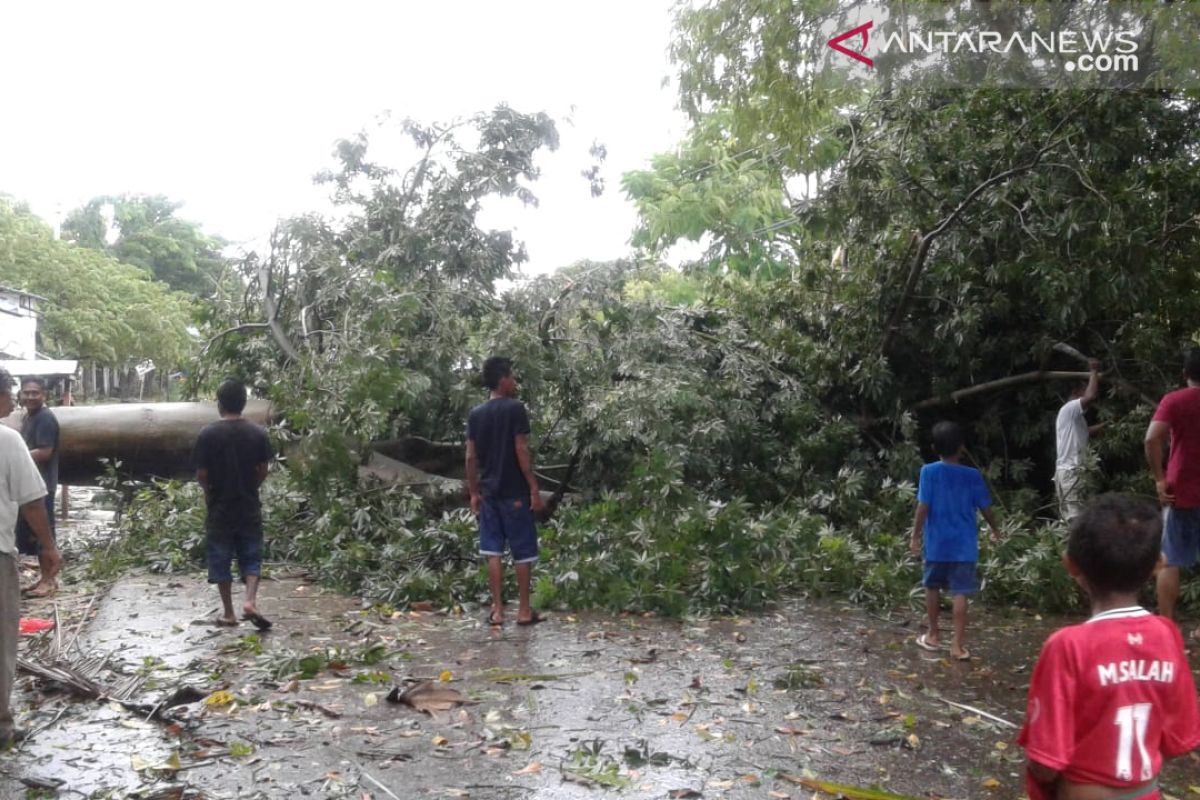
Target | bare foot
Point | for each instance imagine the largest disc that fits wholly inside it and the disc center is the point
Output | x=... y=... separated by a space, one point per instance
x=43 y=588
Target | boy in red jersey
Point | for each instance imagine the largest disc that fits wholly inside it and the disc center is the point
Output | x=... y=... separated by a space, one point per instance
x=1114 y=696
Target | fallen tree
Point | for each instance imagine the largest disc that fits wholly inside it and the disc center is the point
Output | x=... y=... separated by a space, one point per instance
x=151 y=440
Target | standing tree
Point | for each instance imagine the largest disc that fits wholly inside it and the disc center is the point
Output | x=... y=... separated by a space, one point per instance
x=143 y=230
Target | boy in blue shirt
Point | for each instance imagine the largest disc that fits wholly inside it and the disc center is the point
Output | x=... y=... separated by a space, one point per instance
x=948 y=496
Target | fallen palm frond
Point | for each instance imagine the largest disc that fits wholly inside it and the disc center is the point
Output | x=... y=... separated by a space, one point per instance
x=79 y=677
x=74 y=678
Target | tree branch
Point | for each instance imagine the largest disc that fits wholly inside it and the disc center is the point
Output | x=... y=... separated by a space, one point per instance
x=918 y=265
x=277 y=331
x=247 y=326
x=1001 y=383
x=1121 y=383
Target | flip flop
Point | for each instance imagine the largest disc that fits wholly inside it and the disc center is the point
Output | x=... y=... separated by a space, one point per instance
x=41 y=594
x=966 y=656
x=258 y=621
x=534 y=620
x=225 y=623
x=924 y=643
x=491 y=620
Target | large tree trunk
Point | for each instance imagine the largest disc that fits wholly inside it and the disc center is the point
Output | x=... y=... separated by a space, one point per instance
x=149 y=439
x=155 y=440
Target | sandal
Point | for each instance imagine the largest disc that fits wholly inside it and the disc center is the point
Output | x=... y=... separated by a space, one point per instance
x=533 y=620
x=924 y=643
x=258 y=621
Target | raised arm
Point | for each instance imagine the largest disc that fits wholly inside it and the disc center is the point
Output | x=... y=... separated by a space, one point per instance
x=1093 y=388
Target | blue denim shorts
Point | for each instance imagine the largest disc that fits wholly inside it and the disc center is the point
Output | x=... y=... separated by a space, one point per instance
x=223 y=543
x=957 y=576
x=508 y=521
x=1181 y=536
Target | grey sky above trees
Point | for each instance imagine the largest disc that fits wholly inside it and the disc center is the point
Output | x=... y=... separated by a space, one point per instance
x=231 y=108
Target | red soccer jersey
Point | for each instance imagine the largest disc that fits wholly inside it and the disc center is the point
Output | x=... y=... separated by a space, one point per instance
x=1109 y=699
x=1181 y=411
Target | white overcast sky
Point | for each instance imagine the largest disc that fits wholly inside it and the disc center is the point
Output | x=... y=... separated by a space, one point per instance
x=231 y=107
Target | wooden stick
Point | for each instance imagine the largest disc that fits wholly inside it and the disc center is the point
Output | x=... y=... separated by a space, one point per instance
x=82 y=622
x=980 y=712
x=367 y=775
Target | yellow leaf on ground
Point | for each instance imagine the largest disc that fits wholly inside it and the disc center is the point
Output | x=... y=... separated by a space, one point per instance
x=445 y=676
x=221 y=698
x=440 y=741
x=532 y=768
x=990 y=783
x=1001 y=745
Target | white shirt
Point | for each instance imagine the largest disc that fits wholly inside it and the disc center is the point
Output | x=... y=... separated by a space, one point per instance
x=1071 y=431
x=20 y=483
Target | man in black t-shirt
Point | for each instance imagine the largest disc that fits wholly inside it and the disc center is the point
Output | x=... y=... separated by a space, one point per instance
x=231 y=458
x=40 y=432
x=504 y=490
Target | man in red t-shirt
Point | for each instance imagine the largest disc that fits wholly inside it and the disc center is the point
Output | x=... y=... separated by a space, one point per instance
x=1114 y=696
x=1177 y=418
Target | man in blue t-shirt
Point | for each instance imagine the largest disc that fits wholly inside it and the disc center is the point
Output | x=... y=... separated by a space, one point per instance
x=504 y=490
x=948 y=496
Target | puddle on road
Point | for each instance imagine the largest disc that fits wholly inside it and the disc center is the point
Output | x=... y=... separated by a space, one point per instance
x=577 y=707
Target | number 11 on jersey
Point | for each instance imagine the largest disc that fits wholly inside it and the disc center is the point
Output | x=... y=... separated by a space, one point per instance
x=1133 y=721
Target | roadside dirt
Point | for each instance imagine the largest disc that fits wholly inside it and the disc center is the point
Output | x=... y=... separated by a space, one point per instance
x=580 y=706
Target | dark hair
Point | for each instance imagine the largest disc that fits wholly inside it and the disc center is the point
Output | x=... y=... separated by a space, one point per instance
x=1116 y=542
x=947 y=439
x=1191 y=364
x=6 y=382
x=494 y=369
x=231 y=396
x=38 y=379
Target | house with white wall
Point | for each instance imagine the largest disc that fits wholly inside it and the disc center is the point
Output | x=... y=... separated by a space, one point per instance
x=18 y=324
x=18 y=341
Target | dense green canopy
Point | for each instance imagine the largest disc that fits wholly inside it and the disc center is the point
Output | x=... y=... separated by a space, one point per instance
x=97 y=307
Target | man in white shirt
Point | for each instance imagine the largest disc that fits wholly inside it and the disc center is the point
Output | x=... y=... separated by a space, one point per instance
x=21 y=493
x=1072 y=434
